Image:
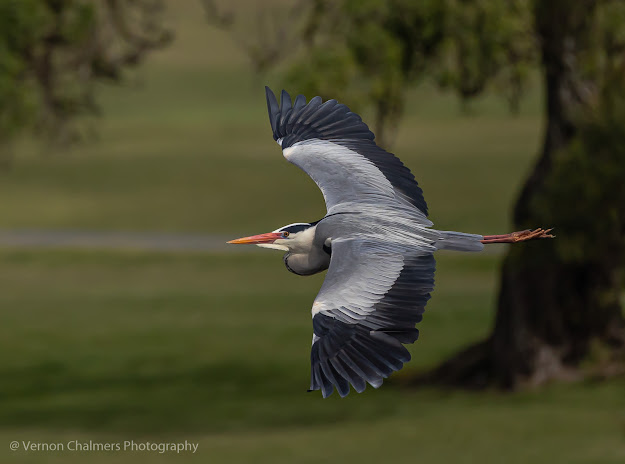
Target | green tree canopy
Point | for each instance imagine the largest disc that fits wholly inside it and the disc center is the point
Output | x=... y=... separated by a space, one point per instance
x=53 y=52
x=372 y=51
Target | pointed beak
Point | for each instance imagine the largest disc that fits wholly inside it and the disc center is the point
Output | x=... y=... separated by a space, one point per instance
x=262 y=238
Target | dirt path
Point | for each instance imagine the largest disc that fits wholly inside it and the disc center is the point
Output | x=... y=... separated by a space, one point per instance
x=113 y=240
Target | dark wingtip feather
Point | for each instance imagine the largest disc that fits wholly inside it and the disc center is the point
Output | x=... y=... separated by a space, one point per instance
x=298 y=121
x=285 y=102
x=273 y=109
x=345 y=355
x=295 y=121
x=300 y=102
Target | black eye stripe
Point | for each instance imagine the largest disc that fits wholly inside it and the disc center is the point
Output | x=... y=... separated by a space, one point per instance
x=295 y=228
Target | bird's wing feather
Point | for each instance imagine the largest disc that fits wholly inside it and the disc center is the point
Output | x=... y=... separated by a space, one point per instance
x=371 y=299
x=331 y=143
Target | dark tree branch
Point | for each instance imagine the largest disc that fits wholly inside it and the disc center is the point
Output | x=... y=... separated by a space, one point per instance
x=275 y=36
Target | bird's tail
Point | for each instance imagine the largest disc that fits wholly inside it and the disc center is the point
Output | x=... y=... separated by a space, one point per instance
x=459 y=241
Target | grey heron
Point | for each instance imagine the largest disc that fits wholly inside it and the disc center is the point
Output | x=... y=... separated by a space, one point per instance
x=375 y=241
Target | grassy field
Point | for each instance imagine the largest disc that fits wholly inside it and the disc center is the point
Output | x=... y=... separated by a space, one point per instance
x=214 y=348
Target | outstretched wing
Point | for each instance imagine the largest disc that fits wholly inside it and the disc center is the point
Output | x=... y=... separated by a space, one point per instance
x=337 y=150
x=367 y=308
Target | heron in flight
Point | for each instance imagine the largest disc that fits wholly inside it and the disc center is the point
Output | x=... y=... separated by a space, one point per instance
x=375 y=241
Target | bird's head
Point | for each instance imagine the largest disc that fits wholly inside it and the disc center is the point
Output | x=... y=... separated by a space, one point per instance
x=293 y=238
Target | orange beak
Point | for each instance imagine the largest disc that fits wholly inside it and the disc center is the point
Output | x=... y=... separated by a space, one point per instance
x=262 y=238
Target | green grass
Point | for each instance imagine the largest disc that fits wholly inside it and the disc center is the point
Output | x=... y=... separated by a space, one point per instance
x=214 y=348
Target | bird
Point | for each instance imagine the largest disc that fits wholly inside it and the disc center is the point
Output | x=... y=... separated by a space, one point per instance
x=375 y=241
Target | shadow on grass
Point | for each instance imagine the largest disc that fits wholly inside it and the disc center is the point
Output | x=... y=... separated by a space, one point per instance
x=212 y=398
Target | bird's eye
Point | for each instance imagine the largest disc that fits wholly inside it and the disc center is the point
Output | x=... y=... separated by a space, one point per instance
x=285 y=234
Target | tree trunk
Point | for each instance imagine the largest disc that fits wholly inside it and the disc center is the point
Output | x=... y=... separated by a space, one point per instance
x=552 y=313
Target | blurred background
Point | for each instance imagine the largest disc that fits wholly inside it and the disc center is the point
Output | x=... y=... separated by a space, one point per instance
x=134 y=142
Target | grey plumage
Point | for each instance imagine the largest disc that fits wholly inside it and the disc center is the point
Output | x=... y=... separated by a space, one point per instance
x=376 y=239
x=336 y=123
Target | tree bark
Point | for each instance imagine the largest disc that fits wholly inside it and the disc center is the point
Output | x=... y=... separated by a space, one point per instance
x=552 y=313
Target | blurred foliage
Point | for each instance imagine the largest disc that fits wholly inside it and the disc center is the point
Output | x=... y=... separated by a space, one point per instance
x=585 y=192
x=52 y=52
x=388 y=46
x=371 y=51
x=266 y=34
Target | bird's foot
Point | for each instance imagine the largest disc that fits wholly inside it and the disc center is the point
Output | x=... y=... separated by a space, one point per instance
x=521 y=236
